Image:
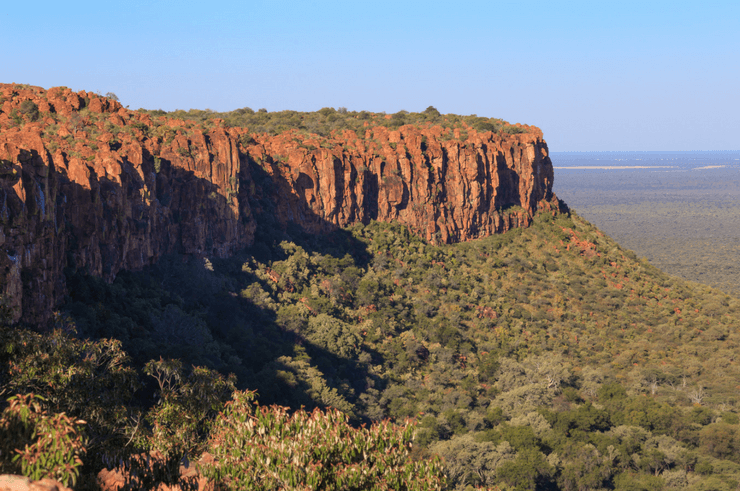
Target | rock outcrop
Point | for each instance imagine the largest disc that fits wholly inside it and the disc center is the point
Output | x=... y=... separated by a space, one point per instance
x=86 y=183
x=19 y=483
x=190 y=477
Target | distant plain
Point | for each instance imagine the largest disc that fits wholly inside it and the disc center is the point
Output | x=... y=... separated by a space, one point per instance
x=680 y=210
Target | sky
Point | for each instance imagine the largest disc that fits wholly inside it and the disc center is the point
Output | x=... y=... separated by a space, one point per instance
x=594 y=75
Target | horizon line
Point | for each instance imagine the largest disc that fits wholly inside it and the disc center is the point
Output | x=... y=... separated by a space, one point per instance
x=639 y=151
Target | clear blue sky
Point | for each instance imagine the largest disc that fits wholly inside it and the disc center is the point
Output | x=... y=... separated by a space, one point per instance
x=594 y=75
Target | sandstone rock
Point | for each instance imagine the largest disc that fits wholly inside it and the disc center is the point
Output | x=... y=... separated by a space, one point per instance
x=116 y=479
x=128 y=189
x=20 y=483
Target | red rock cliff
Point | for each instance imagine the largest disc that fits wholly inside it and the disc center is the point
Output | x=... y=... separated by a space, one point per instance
x=85 y=183
x=447 y=190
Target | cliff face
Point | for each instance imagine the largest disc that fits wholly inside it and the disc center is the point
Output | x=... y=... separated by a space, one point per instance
x=447 y=189
x=85 y=183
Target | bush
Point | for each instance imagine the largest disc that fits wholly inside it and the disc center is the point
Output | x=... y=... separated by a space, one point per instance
x=268 y=448
x=187 y=406
x=704 y=468
x=89 y=380
x=37 y=444
x=30 y=109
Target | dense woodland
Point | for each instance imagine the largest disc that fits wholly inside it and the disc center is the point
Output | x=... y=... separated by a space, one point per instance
x=543 y=358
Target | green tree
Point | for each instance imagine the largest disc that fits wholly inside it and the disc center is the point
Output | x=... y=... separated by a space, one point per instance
x=528 y=471
x=471 y=462
x=585 y=468
x=720 y=440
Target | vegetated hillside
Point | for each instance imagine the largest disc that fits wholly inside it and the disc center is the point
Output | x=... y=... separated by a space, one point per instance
x=559 y=286
x=88 y=184
x=546 y=357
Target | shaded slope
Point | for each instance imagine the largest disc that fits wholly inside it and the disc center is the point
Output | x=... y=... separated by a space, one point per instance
x=530 y=350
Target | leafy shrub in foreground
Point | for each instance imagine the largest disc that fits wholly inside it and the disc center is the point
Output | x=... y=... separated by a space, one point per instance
x=84 y=379
x=186 y=408
x=261 y=448
x=37 y=444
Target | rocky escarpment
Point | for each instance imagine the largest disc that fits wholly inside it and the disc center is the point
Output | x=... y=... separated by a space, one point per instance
x=445 y=186
x=86 y=183
x=83 y=185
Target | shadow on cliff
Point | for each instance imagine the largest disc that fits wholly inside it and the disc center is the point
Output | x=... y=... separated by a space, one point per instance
x=323 y=236
x=205 y=310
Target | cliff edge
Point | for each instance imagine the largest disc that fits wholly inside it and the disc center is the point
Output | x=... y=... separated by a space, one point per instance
x=86 y=183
